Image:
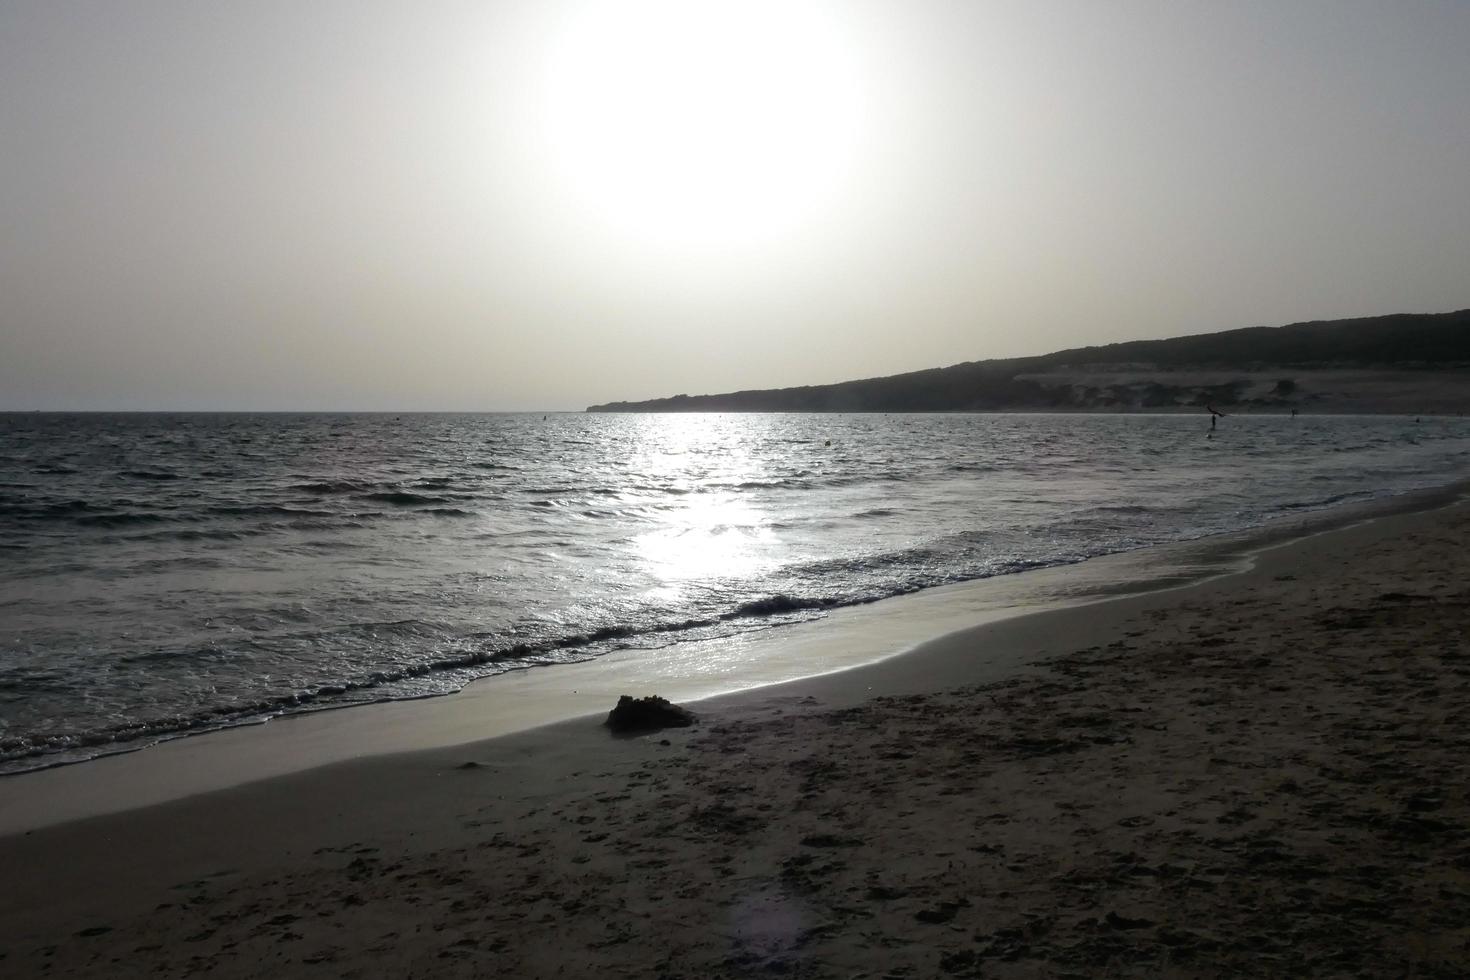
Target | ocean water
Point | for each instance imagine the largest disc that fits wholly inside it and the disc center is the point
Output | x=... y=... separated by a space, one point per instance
x=171 y=573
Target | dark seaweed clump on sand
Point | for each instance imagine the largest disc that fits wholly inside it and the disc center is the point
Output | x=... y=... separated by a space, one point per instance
x=633 y=715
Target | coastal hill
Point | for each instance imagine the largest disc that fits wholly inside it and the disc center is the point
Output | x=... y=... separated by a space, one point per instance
x=1408 y=363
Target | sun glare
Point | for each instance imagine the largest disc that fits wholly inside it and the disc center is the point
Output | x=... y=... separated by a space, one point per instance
x=689 y=123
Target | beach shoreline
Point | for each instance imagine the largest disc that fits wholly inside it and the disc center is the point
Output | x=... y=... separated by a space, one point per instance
x=742 y=799
x=239 y=594
x=850 y=639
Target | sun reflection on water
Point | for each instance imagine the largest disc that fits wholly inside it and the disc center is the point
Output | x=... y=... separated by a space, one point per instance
x=708 y=536
x=710 y=533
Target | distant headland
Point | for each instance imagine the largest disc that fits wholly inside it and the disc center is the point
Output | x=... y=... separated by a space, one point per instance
x=1403 y=363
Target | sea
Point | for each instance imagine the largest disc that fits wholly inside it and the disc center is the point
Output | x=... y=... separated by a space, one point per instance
x=167 y=574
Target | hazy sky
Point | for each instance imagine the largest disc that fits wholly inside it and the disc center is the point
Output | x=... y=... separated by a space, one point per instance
x=550 y=203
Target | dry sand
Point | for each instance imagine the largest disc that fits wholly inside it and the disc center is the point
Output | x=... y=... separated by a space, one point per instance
x=1258 y=776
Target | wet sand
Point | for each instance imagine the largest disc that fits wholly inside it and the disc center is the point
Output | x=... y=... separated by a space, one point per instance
x=1260 y=775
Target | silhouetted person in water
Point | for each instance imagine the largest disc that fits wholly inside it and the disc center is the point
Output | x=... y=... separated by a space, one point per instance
x=1214 y=415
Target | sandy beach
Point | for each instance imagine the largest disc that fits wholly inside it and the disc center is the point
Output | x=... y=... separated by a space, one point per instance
x=1024 y=446
x=1259 y=775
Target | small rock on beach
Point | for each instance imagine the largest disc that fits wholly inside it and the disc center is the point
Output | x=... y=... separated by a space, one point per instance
x=647 y=715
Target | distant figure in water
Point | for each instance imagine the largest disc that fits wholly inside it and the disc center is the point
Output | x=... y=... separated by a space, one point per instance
x=1214 y=415
x=1293 y=413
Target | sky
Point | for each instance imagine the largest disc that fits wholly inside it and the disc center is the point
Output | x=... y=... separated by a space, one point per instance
x=546 y=204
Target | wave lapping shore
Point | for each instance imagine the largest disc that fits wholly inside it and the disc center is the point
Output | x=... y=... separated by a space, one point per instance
x=172 y=574
x=1259 y=775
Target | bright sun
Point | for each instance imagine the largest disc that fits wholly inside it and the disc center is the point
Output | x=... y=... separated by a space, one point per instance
x=700 y=124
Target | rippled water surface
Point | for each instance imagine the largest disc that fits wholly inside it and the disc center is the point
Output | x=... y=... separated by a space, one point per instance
x=166 y=573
